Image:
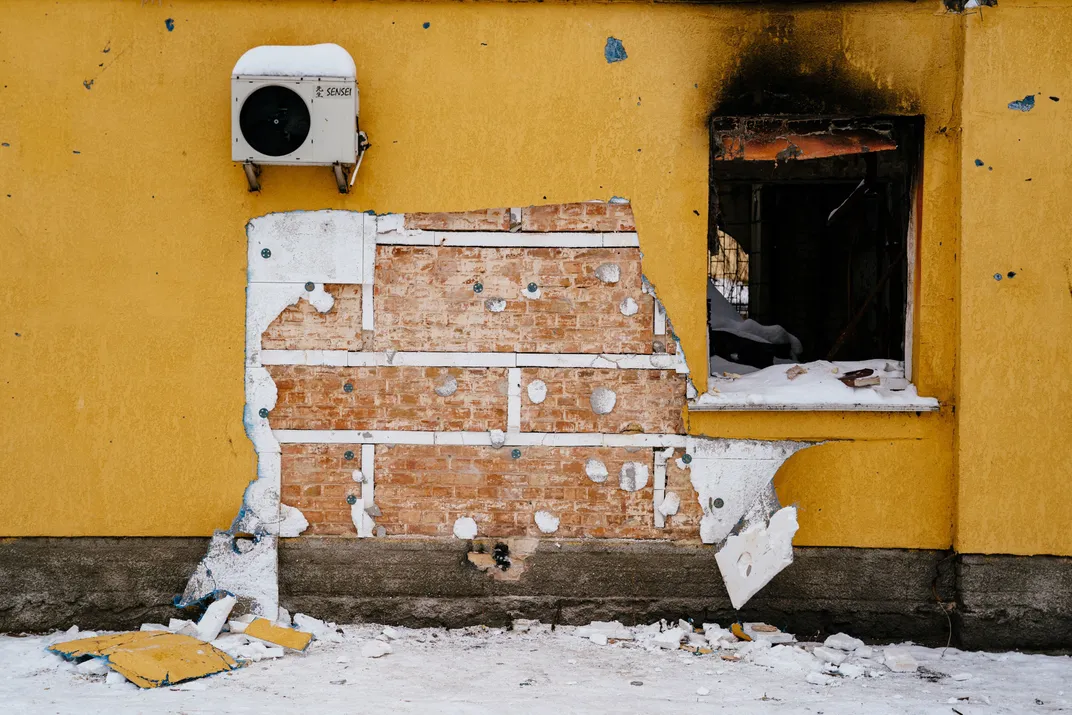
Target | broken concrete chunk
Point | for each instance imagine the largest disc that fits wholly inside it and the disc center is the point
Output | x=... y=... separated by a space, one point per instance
x=321 y=630
x=633 y=476
x=446 y=386
x=830 y=655
x=609 y=273
x=628 y=307
x=596 y=471
x=264 y=630
x=603 y=400
x=537 y=390
x=670 y=505
x=215 y=616
x=843 y=642
x=150 y=659
x=546 y=521
x=899 y=661
x=495 y=305
x=375 y=649
x=465 y=527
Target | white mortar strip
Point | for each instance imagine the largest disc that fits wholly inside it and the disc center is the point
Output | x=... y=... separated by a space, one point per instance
x=508 y=239
x=478 y=439
x=513 y=403
x=660 y=318
x=659 y=491
x=368 y=315
x=368 y=471
x=655 y=361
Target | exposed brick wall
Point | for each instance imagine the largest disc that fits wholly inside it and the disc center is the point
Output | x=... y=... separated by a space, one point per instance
x=398 y=398
x=487 y=220
x=647 y=401
x=588 y=216
x=303 y=327
x=425 y=300
x=422 y=490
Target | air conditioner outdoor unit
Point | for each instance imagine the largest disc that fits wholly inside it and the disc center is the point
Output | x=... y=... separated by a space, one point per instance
x=296 y=105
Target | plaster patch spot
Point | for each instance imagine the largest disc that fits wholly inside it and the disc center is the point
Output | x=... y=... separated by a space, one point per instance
x=546 y=521
x=671 y=504
x=498 y=438
x=531 y=294
x=465 y=527
x=609 y=273
x=614 y=50
x=596 y=471
x=495 y=305
x=446 y=386
x=633 y=476
x=603 y=400
x=628 y=307
x=358 y=476
x=537 y=390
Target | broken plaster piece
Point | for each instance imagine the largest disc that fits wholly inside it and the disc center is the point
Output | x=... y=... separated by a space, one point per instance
x=495 y=305
x=246 y=568
x=749 y=560
x=546 y=521
x=609 y=273
x=446 y=386
x=362 y=521
x=670 y=505
x=537 y=390
x=215 y=616
x=531 y=294
x=603 y=400
x=633 y=476
x=498 y=438
x=266 y=301
x=596 y=471
x=628 y=306
x=465 y=528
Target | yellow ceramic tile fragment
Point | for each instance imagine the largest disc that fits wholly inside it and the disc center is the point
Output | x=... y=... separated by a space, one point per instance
x=287 y=637
x=150 y=659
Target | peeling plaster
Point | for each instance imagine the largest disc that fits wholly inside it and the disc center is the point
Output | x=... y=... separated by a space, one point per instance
x=546 y=521
x=603 y=400
x=245 y=568
x=671 y=504
x=633 y=476
x=609 y=273
x=628 y=307
x=446 y=386
x=750 y=560
x=495 y=305
x=537 y=390
x=596 y=471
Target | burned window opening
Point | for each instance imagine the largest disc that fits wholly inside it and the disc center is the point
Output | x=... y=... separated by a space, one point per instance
x=809 y=239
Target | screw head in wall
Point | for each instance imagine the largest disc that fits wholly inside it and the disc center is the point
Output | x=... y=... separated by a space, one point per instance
x=266 y=253
x=687 y=459
x=533 y=287
x=348 y=387
x=348 y=454
x=351 y=499
x=310 y=285
x=516 y=453
x=263 y=412
x=478 y=287
x=718 y=503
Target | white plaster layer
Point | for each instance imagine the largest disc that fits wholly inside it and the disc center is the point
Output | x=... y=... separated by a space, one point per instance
x=602 y=400
x=633 y=476
x=596 y=471
x=242 y=567
x=264 y=303
x=476 y=439
x=749 y=560
x=628 y=307
x=537 y=390
x=609 y=273
x=319 y=246
x=513 y=400
x=465 y=528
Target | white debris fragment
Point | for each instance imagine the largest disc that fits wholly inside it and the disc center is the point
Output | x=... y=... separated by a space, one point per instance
x=446 y=386
x=375 y=649
x=391 y=634
x=93 y=666
x=670 y=505
x=609 y=273
x=238 y=625
x=613 y=630
x=603 y=400
x=816 y=678
x=842 y=641
x=115 y=678
x=183 y=627
x=254 y=651
x=749 y=560
x=465 y=527
x=766 y=632
x=537 y=390
x=633 y=476
x=153 y=627
x=283 y=617
x=703 y=691
x=546 y=521
x=899 y=661
x=669 y=638
x=498 y=438
x=321 y=630
x=598 y=638
x=717 y=634
x=628 y=307
x=531 y=294
x=596 y=471
x=830 y=655
x=215 y=616
x=850 y=670
x=495 y=305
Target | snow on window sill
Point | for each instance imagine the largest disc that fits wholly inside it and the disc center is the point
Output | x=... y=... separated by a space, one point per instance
x=814 y=386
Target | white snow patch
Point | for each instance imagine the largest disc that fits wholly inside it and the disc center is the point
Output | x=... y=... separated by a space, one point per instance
x=537 y=390
x=546 y=521
x=465 y=527
x=324 y=60
x=375 y=649
x=633 y=476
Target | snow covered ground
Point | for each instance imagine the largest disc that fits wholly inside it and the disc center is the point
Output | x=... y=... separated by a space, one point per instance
x=481 y=670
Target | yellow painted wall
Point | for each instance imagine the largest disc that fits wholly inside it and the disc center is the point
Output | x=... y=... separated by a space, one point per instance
x=123 y=250
x=1014 y=492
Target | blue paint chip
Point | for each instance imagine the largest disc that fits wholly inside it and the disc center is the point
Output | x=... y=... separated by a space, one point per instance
x=1023 y=105
x=426 y=25
x=978 y=162
x=169 y=24
x=614 y=50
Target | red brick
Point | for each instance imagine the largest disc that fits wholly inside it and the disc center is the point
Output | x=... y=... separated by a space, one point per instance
x=487 y=220
x=303 y=327
x=589 y=216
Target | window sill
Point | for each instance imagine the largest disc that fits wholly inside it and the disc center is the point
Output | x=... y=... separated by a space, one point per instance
x=919 y=404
